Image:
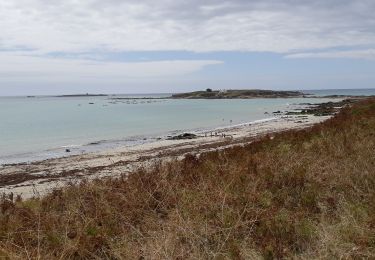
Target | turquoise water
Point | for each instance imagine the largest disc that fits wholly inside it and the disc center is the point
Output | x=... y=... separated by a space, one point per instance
x=349 y=92
x=43 y=127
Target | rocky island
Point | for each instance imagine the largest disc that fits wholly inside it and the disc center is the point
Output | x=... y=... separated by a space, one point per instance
x=239 y=93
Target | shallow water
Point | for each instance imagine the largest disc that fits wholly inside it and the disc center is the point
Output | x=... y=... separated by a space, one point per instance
x=348 y=92
x=43 y=127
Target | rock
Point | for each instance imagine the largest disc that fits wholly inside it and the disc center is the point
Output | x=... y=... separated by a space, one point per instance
x=183 y=136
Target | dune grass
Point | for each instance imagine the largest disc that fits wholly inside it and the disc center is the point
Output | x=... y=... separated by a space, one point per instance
x=306 y=194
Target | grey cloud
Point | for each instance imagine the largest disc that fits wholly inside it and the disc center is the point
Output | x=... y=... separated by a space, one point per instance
x=237 y=25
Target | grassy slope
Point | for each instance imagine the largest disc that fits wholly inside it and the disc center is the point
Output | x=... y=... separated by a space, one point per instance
x=307 y=194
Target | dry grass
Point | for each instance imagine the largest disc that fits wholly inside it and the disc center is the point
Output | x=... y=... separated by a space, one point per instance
x=302 y=194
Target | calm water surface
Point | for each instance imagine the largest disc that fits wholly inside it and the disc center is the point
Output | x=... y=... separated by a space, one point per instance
x=43 y=127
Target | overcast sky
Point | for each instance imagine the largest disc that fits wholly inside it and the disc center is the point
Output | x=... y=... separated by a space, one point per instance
x=138 y=46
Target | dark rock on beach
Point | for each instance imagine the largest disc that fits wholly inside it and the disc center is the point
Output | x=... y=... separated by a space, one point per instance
x=183 y=136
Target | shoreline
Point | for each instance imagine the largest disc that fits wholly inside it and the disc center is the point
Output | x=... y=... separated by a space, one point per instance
x=41 y=177
x=94 y=146
x=124 y=143
x=38 y=178
x=107 y=145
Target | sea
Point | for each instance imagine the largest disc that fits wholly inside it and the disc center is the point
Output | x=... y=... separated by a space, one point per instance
x=42 y=127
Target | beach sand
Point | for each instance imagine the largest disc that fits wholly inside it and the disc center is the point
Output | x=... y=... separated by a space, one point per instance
x=38 y=178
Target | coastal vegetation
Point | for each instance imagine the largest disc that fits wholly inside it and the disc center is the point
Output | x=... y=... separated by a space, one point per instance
x=239 y=93
x=296 y=194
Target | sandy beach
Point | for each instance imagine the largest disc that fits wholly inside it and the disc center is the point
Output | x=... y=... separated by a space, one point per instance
x=38 y=178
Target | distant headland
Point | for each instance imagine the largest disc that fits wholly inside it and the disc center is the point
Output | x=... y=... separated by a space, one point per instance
x=237 y=94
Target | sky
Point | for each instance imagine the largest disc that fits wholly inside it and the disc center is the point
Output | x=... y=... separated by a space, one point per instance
x=168 y=46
